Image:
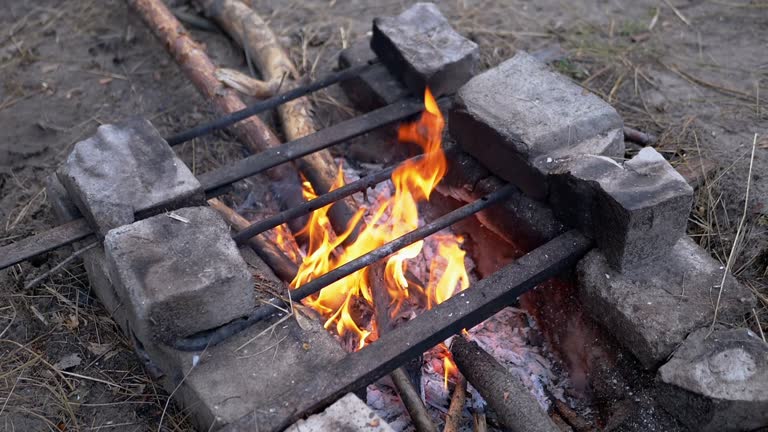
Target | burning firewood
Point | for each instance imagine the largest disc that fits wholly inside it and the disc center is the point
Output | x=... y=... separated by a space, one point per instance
x=517 y=410
x=253 y=33
x=453 y=418
x=283 y=267
x=399 y=376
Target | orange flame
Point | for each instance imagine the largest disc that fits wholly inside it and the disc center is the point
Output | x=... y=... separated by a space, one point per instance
x=339 y=302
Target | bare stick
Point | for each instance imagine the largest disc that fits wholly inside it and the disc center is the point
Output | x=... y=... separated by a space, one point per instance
x=737 y=239
x=283 y=267
x=408 y=394
x=510 y=400
x=635 y=135
x=36 y=281
x=453 y=418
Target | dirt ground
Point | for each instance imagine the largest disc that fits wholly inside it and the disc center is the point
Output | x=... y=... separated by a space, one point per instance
x=691 y=72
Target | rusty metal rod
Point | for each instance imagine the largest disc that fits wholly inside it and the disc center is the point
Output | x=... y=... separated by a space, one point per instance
x=225 y=121
x=212 y=337
x=323 y=200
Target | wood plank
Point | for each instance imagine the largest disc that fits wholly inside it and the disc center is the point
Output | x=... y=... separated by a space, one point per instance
x=37 y=244
x=464 y=310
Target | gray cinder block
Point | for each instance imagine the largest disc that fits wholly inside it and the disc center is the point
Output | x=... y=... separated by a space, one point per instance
x=635 y=211
x=421 y=48
x=653 y=308
x=372 y=89
x=127 y=172
x=179 y=276
x=520 y=116
x=718 y=381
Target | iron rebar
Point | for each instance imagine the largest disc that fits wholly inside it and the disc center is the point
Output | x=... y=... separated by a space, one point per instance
x=321 y=201
x=212 y=337
x=214 y=181
x=268 y=104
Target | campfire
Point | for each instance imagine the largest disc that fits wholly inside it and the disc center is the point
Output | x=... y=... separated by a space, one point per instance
x=389 y=218
x=418 y=312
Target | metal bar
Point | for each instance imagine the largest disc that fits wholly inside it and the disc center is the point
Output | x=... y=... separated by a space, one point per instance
x=214 y=183
x=268 y=104
x=215 y=180
x=37 y=244
x=362 y=184
x=202 y=340
x=465 y=310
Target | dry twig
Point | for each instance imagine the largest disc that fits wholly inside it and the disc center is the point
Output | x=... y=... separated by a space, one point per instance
x=737 y=239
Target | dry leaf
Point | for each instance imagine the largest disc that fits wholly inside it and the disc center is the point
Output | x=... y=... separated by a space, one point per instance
x=303 y=319
x=99 y=349
x=68 y=362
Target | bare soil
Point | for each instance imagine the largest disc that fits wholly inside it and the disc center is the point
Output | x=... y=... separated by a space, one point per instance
x=692 y=72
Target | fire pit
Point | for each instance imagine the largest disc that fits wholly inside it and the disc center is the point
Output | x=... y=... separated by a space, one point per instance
x=529 y=154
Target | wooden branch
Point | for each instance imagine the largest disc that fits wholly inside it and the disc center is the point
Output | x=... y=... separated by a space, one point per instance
x=453 y=418
x=245 y=84
x=479 y=422
x=405 y=388
x=514 y=405
x=247 y=28
x=283 y=267
x=200 y=70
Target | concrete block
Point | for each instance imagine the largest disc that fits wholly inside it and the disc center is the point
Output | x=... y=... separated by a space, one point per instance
x=652 y=309
x=635 y=211
x=718 y=382
x=521 y=220
x=421 y=48
x=228 y=380
x=127 y=172
x=178 y=276
x=374 y=88
x=520 y=116
x=348 y=414
x=248 y=371
x=63 y=208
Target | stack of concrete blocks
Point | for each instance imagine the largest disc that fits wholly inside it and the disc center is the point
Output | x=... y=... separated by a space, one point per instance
x=646 y=282
x=434 y=54
x=168 y=268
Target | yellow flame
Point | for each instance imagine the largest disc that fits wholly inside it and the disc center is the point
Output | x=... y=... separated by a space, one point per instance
x=340 y=302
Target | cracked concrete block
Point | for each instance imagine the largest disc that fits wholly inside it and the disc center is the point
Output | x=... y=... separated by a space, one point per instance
x=348 y=414
x=127 y=172
x=635 y=211
x=717 y=382
x=178 y=276
x=421 y=48
x=520 y=116
x=372 y=89
x=653 y=308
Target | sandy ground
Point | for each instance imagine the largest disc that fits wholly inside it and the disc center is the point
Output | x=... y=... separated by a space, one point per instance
x=692 y=72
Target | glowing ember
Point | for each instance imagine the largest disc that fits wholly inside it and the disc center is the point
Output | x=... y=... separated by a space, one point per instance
x=390 y=218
